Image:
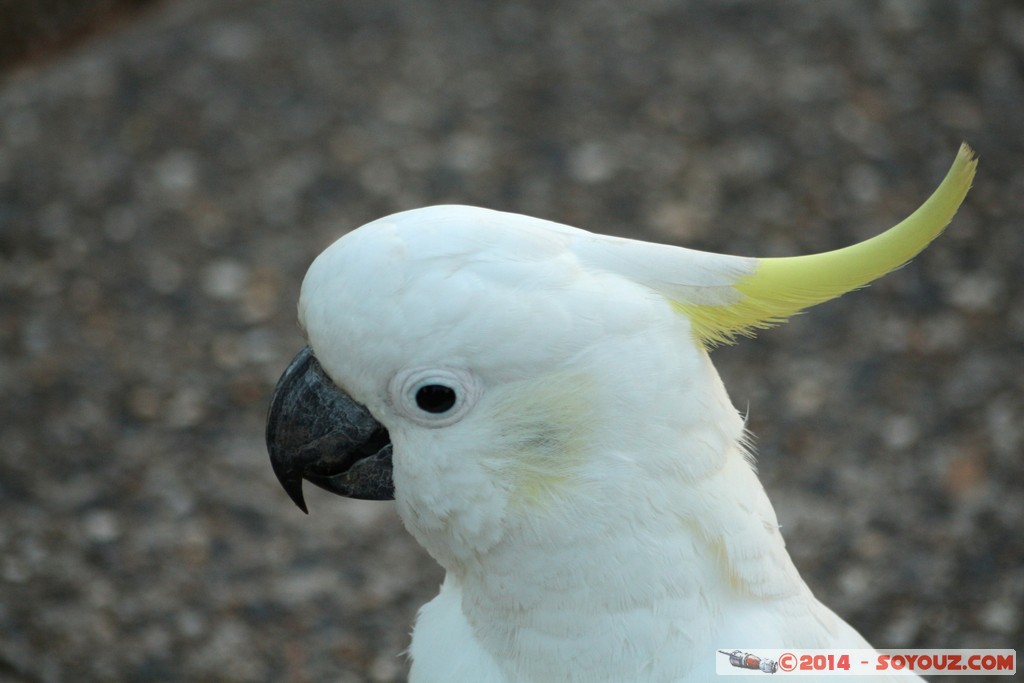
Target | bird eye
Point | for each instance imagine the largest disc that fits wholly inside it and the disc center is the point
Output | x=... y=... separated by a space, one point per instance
x=435 y=398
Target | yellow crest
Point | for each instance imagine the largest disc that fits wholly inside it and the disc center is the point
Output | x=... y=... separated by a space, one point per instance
x=781 y=287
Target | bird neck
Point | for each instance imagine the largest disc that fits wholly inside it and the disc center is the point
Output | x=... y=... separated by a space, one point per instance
x=611 y=591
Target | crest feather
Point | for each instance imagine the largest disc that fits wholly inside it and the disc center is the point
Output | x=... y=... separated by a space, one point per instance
x=780 y=287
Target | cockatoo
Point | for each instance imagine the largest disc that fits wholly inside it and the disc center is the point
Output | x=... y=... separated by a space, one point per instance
x=540 y=403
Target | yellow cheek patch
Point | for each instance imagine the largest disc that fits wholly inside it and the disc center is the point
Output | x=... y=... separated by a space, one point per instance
x=781 y=287
x=543 y=432
x=544 y=465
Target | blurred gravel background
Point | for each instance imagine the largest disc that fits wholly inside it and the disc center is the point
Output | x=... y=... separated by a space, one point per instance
x=164 y=186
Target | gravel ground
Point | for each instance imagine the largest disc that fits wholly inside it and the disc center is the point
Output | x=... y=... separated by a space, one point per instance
x=164 y=187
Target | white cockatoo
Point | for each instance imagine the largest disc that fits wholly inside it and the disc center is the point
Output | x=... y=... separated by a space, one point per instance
x=540 y=403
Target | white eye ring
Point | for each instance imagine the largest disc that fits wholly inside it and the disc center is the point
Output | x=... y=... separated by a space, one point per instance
x=434 y=397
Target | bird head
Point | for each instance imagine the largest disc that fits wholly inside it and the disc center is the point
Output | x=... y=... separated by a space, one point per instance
x=494 y=372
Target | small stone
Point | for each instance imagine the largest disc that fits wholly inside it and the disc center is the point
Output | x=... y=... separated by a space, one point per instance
x=855 y=581
x=806 y=397
x=1000 y=615
x=976 y=293
x=592 y=163
x=899 y=432
x=260 y=298
x=102 y=526
x=177 y=173
x=234 y=42
x=191 y=624
x=385 y=669
x=224 y=279
x=186 y=408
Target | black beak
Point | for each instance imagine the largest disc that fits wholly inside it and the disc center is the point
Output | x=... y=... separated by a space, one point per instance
x=316 y=432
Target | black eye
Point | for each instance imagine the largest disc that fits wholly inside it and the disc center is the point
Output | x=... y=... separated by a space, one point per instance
x=435 y=398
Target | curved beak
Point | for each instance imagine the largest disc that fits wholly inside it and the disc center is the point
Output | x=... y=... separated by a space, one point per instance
x=317 y=432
